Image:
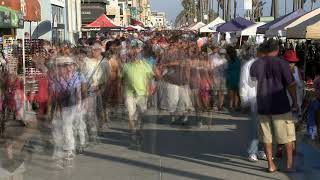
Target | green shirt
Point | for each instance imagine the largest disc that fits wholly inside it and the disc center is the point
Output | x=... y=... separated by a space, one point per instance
x=137 y=76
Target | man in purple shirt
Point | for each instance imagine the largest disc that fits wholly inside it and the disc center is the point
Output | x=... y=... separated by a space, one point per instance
x=274 y=80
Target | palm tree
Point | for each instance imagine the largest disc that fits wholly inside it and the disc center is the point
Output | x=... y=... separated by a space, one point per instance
x=299 y=4
x=235 y=8
x=188 y=13
x=219 y=2
x=285 y=6
x=257 y=8
x=224 y=9
x=275 y=8
x=312 y=4
x=229 y=10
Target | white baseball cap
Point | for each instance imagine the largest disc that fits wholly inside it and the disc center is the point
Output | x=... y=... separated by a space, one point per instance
x=64 y=60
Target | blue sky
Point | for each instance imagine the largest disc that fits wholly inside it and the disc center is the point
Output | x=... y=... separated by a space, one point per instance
x=173 y=7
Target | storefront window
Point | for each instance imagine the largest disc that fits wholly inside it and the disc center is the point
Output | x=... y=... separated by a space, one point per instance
x=57 y=24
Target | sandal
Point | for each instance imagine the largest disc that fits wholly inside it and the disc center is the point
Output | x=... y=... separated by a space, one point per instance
x=272 y=171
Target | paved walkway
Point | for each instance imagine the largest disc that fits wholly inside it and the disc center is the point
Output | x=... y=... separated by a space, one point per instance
x=213 y=152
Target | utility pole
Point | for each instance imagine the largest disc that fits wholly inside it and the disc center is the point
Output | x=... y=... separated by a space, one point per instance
x=218 y=8
x=275 y=9
x=229 y=10
x=285 y=6
x=235 y=8
x=224 y=9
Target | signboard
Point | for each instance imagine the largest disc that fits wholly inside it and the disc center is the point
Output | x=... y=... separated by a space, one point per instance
x=32 y=10
x=266 y=18
x=247 y=4
x=5 y=19
x=13 y=4
x=90 y=12
x=134 y=12
x=20 y=20
x=61 y=3
x=10 y=18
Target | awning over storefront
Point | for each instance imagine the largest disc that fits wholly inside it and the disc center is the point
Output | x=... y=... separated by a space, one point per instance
x=135 y=22
x=10 y=18
x=102 y=22
x=280 y=21
x=234 y=25
x=212 y=27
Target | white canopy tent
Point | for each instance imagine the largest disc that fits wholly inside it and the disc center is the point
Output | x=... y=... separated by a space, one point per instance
x=137 y=27
x=251 y=30
x=211 y=27
x=304 y=31
x=197 y=26
x=282 y=31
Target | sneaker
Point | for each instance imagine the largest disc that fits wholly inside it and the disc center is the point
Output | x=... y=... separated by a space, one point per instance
x=94 y=141
x=68 y=162
x=80 y=150
x=253 y=158
x=58 y=165
x=185 y=120
x=68 y=159
x=173 y=121
x=262 y=155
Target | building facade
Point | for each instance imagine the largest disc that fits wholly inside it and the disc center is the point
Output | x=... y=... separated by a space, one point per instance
x=113 y=11
x=57 y=21
x=92 y=9
x=158 y=19
x=124 y=13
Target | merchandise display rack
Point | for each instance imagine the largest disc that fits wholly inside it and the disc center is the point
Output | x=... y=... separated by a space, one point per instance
x=12 y=49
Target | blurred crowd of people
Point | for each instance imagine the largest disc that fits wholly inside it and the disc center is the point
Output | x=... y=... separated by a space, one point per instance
x=169 y=71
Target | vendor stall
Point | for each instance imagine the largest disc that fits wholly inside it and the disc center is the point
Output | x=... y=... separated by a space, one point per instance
x=280 y=21
x=103 y=24
x=250 y=33
x=197 y=26
x=135 y=22
x=251 y=30
x=309 y=29
x=212 y=27
x=235 y=25
x=282 y=30
x=135 y=28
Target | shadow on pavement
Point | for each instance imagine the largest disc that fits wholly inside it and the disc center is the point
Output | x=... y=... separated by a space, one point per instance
x=189 y=144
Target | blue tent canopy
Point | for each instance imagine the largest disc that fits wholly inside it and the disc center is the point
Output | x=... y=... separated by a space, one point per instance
x=235 y=25
x=281 y=21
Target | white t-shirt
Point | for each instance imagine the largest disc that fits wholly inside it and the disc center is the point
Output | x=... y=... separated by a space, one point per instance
x=97 y=73
x=248 y=86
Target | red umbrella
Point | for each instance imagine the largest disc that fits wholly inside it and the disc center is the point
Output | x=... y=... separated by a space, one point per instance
x=137 y=23
x=131 y=28
x=102 y=22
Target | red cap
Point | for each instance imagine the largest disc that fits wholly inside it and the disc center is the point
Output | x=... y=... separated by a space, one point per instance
x=291 y=56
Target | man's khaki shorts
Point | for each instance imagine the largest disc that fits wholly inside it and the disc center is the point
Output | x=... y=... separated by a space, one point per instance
x=282 y=128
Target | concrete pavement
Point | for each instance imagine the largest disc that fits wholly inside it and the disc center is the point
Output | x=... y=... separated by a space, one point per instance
x=213 y=152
